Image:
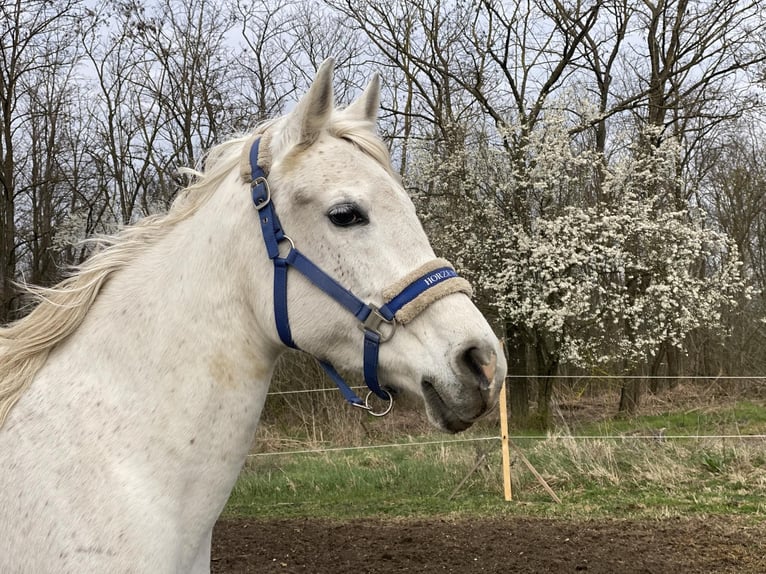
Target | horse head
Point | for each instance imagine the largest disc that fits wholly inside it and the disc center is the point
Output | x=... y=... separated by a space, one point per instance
x=341 y=204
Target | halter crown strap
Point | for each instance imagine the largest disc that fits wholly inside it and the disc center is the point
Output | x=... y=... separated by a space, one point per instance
x=404 y=300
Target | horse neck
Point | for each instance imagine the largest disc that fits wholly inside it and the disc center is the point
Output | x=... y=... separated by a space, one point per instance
x=177 y=346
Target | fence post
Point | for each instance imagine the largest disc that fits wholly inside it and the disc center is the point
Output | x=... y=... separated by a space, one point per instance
x=505 y=440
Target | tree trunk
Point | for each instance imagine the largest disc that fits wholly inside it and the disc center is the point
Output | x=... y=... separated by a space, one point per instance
x=518 y=382
x=656 y=384
x=674 y=366
x=630 y=396
x=630 y=393
x=546 y=369
x=7 y=221
x=544 y=416
x=7 y=262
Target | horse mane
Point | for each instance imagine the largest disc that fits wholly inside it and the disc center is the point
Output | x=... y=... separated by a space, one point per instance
x=59 y=311
x=26 y=343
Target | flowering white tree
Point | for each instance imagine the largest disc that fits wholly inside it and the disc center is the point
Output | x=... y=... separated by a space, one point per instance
x=606 y=285
x=609 y=287
x=609 y=284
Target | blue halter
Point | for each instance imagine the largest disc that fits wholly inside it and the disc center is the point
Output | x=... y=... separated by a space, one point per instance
x=378 y=323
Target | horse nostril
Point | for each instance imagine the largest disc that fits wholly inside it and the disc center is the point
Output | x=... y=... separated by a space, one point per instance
x=482 y=362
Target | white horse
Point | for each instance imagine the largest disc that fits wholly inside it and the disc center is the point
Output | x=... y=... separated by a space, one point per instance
x=130 y=395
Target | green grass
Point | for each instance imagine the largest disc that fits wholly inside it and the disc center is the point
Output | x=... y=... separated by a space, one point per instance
x=626 y=477
x=400 y=481
x=743 y=417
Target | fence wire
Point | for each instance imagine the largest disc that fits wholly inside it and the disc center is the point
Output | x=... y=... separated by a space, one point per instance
x=514 y=438
x=659 y=437
x=567 y=377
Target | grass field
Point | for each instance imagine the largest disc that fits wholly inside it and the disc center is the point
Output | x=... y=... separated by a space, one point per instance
x=636 y=472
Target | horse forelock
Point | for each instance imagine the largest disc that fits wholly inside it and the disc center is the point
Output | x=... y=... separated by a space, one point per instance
x=360 y=133
x=363 y=136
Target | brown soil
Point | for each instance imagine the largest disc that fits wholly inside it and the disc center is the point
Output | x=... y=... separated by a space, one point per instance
x=512 y=545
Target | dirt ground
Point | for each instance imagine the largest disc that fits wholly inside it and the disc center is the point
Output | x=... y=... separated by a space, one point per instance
x=513 y=545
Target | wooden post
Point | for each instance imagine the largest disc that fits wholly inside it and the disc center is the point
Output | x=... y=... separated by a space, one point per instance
x=538 y=476
x=505 y=441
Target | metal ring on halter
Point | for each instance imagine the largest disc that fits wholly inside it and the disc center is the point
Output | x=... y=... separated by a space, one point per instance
x=290 y=241
x=383 y=413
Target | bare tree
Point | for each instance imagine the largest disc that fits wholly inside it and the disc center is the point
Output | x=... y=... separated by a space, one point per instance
x=52 y=107
x=268 y=30
x=123 y=136
x=696 y=74
x=34 y=37
x=734 y=189
x=185 y=85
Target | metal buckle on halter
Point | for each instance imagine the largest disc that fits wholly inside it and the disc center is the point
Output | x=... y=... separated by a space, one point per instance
x=264 y=202
x=373 y=322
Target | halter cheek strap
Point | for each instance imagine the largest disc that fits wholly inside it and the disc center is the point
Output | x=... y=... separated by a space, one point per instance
x=403 y=300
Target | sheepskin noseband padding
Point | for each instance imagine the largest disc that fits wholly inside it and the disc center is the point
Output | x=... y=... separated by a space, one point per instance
x=447 y=287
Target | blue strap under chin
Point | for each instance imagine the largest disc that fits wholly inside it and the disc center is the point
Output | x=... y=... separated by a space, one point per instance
x=370 y=317
x=343 y=387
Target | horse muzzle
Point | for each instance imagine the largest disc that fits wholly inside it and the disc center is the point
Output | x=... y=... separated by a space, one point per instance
x=454 y=403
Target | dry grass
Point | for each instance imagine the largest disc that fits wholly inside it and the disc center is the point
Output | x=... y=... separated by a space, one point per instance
x=301 y=420
x=635 y=471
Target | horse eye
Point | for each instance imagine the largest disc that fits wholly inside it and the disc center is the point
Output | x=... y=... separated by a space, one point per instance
x=346 y=215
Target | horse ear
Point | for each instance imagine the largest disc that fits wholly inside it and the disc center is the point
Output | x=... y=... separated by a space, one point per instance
x=365 y=108
x=314 y=109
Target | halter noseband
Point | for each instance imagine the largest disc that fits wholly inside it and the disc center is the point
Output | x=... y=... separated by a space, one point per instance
x=404 y=300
